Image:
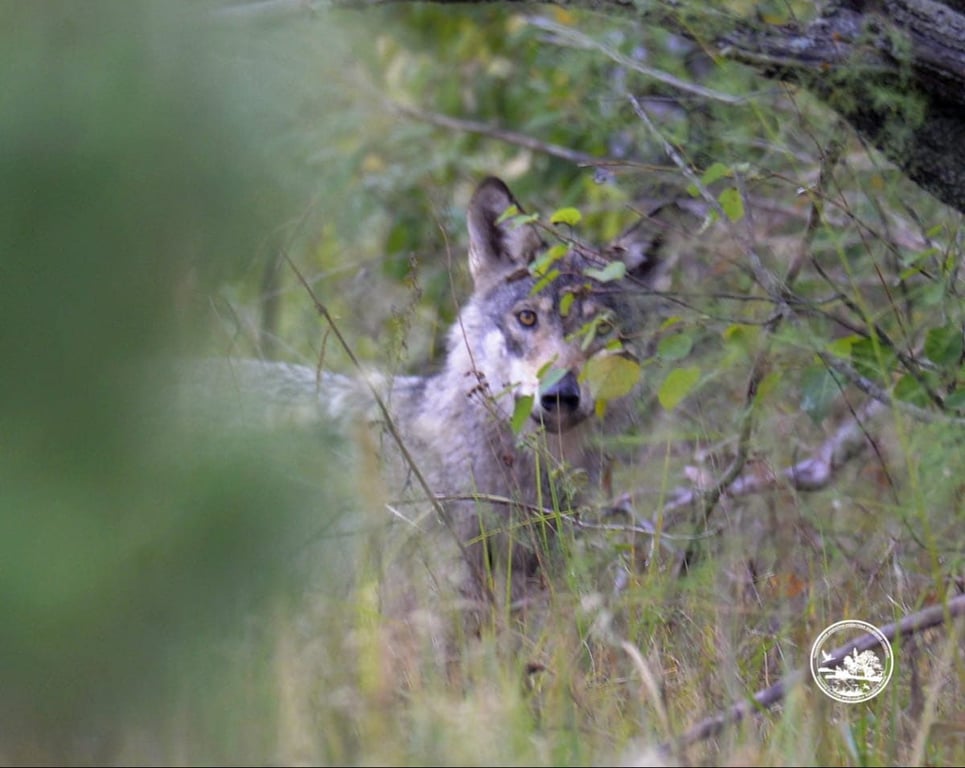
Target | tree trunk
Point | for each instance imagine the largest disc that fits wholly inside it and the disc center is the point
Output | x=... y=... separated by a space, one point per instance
x=894 y=69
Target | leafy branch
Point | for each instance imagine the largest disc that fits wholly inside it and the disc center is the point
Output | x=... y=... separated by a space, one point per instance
x=884 y=67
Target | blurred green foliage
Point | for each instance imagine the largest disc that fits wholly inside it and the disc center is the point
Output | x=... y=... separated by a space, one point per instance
x=131 y=181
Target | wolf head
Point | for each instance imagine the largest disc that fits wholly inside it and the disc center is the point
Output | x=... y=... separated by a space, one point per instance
x=539 y=314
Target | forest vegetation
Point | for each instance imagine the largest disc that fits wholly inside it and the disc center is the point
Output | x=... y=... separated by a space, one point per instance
x=186 y=180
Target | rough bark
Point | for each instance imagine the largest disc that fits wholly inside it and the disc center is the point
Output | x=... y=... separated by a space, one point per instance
x=893 y=69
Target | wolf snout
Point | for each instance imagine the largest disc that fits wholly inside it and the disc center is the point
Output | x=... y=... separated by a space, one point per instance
x=563 y=398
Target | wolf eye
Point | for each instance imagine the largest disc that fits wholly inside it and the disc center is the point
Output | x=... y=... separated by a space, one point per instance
x=526 y=317
x=604 y=328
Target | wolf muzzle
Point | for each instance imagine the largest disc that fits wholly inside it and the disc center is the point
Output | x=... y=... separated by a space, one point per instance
x=560 y=404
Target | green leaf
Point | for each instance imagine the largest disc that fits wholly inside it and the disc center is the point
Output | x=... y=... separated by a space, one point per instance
x=400 y=238
x=819 y=388
x=508 y=214
x=956 y=400
x=713 y=173
x=768 y=384
x=741 y=334
x=716 y=171
x=548 y=278
x=677 y=385
x=741 y=339
x=610 y=376
x=569 y=216
x=548 y=375
x=867 y=362
x=732 y=203
x=675 y=347
x=933 y=294
x=546 y=259
x=601 y=325
x=521 y=411
x=910 y=390
x=943 y=346
x=515 y=218
x=566 y=301
x=842 y=347
x=615 y=270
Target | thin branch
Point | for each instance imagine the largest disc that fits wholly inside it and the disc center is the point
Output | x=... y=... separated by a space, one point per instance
x=932 y=616
x=780 y=293
x=389 y=421
x=577 y=39
x=501 y=134
x=873 y=390
x=675 y=156
x=541 y=514
x=811 y=474
x=711 y=497
x=829 y=159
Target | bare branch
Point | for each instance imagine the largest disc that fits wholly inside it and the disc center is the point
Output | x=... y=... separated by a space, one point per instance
x=501 y=134
x=811 y=474
x=577 y=39
x=777 y=290
x=873 y=390
x=932 y=616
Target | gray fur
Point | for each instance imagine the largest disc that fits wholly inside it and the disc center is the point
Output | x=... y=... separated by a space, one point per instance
x=455 y=424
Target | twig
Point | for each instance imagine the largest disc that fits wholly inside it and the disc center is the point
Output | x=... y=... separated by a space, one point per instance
x=734 y=469
x=676 y=157
x=873 y=390
x=829 y=159
x=811 y=474
x=543 y=514
x=779 y=292
x=390 y=423
x=501 y=134
x=579 y=40
x=762 y=700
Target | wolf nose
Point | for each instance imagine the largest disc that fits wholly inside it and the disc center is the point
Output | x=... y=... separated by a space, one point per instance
x=563 y=396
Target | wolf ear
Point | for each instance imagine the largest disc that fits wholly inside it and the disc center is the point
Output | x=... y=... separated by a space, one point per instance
x=496 y=249
x=640 y=246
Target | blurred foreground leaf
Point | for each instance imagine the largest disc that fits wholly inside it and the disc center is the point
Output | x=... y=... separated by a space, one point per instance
x=132 y=541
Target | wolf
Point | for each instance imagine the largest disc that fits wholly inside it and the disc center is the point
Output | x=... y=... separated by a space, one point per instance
x=488 y=455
